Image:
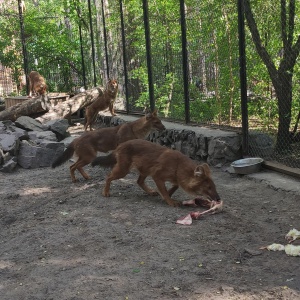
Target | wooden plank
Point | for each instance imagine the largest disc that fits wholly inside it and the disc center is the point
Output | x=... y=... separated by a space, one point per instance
x=275 y=166
x=11 y=101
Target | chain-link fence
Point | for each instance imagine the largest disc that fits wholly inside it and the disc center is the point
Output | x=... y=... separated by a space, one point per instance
x=272 y=48
x=184 y=58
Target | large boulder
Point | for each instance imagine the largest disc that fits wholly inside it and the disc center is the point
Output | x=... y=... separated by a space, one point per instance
x=9 y=143
x=30 y=144
x=30 y=124
x=33 y=156
x=59 y=127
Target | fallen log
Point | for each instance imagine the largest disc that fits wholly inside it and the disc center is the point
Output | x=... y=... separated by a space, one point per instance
x=43 y=104
x=25 y=108
x=70 y=106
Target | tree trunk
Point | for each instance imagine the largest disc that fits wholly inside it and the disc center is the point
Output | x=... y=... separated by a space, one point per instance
x=43 y=104
x=281 y=78
x=284 y=95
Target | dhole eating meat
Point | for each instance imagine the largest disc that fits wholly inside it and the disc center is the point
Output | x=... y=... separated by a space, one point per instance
x=37 y=84
x=105 y=139
x=162 y=164
x=102 y=102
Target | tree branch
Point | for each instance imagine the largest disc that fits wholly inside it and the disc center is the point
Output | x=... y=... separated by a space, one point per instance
x=291 y=22
x=263 y=53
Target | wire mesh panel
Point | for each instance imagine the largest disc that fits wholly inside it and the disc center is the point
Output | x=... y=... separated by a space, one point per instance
x=213 y=62
x=83 y=43
x=136 y=63
x=109 y=46
x=58 y=60
x=273 y=46
x=166 y=50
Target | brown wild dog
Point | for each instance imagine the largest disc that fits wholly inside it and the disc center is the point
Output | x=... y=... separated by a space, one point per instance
x=162 y=164
x=105 y=139
x=102 y=102
x=37 y=84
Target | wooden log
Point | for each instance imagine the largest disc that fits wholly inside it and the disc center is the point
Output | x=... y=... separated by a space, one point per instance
x=42 y=104
x=70 y=106
x=25 y=108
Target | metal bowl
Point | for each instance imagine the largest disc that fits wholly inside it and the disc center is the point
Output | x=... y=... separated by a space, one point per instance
x=247 y=165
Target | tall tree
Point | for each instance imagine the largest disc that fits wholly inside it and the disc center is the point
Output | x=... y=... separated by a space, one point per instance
x=280 y=73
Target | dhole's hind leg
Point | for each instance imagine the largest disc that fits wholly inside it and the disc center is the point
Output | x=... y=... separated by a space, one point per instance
x=142 y=184
x=119 y=171
x=89 y=119
x=72 y=172
x=78 y=166
x=164 y=193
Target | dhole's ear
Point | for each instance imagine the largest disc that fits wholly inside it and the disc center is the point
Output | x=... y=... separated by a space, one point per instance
x=202 y=170
x=154 y=114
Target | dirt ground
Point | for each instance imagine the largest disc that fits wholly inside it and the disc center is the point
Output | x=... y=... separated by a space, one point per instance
x=60 y=240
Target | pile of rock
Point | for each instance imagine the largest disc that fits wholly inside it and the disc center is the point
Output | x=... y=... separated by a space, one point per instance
x=30 y=144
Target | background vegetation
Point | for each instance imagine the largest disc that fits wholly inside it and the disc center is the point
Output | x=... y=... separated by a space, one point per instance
x=73 y=44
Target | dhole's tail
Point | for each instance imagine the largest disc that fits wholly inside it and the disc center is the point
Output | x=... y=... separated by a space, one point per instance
x=105 y=161
x=68 y=153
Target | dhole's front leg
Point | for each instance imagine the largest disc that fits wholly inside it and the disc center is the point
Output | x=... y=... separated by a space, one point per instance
x=111 y=109
x=165 y=194
x=142 y=184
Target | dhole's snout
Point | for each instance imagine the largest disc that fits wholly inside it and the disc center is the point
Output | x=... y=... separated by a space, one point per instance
x=214 y=196
x=159 y=126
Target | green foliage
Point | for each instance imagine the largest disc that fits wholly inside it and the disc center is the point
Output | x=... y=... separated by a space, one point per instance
x=52 y=39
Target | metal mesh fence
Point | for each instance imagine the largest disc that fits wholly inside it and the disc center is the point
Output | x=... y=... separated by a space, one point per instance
x=213 y=63
x=107 y=39
x=273 y=80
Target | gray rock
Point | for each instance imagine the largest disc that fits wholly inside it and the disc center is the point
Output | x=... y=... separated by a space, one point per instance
x=59 y=127
x=42 y=135
x=30 y=124
x=17 y=132
x=33 y=156
x=68 y=140
x=48 y=151
x=9 y=143
x=9 y=166
x=30 y=143
x=224 y=149
x=28 y=155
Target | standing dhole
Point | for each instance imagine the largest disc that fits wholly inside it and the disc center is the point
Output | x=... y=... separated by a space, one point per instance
x=162 y=164
x=105 y=139
x=102 y=102
x=37 y=84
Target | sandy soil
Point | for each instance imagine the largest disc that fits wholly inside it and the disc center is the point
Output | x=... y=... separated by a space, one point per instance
x=60 y=240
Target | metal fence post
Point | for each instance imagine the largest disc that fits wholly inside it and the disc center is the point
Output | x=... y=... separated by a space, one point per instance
x=124 y=56
x=92 y=42
x=149 y=56
x=243 y=77
x=185 y=63
x=23 y=41
x=105 y=40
